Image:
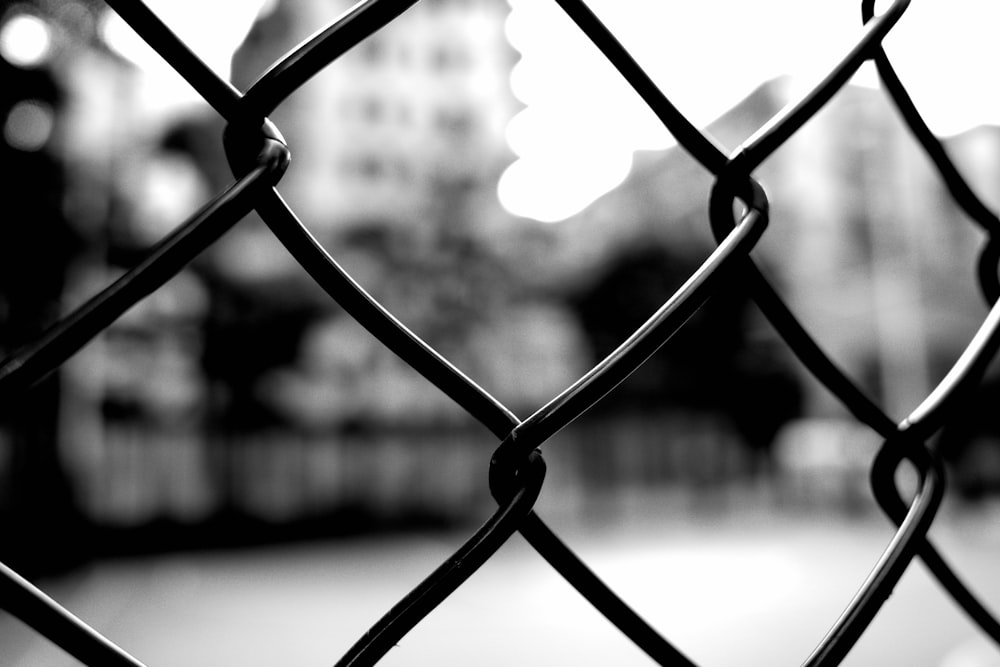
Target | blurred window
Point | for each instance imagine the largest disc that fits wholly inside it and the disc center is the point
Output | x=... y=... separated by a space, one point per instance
x=370 y=167
x=458 y=123
x=448 y=57
x=372 y=109
x=373 y=49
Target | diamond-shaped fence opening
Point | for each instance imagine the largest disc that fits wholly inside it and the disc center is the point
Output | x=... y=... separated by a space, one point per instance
x=258 y=156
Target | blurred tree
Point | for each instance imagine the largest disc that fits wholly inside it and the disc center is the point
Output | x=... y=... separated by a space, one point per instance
x=708 y=366
x=693 y=369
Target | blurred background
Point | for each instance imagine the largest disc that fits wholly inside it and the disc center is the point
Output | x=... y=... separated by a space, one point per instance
x=236 y=452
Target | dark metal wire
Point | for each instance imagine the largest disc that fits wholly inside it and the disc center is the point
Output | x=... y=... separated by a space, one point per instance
x=700 y=145
x=646 y=340
x=353 y=298
x=27 y=366
x=219 y=94
x=897 y=555
x=515 y=500
x=259 y=157
x=921 y=424
x=36 y=609
x=926 y=418
x=596 y=592
x=957 y=186
x=315 y=53
x=477 y=402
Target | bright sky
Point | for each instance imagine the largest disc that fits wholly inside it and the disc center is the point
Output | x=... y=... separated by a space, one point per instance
x=212 y=28
x=576 y=136
x=581 y=124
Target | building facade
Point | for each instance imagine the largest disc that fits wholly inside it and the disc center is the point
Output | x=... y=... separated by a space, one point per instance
x=414 y=114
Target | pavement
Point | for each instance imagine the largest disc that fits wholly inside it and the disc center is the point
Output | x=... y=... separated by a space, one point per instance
x=732 y=587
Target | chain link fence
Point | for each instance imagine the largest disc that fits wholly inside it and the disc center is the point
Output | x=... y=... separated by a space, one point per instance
x=258 y=157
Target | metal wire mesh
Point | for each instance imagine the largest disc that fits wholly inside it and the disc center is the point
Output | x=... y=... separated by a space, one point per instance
x=258 y=158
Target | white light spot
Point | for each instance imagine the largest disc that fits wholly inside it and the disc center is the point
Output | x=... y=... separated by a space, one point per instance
x=25 y=40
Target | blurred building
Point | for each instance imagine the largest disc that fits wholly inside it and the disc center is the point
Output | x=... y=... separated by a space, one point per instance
x=401 y=127
x=397 y=147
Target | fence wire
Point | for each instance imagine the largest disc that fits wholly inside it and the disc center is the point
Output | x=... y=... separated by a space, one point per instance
x=258 y=158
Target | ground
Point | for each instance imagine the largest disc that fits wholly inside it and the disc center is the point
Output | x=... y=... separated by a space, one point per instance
x=744 y=585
